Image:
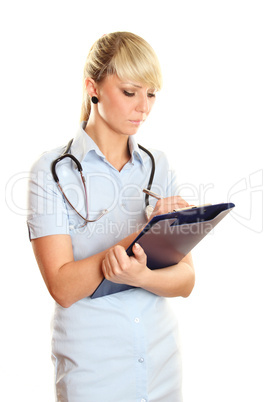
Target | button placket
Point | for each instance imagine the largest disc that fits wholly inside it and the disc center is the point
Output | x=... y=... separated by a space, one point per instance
x=139 y=349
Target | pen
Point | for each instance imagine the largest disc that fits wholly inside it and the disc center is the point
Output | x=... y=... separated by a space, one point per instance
x=159 y=197
x=152 y=194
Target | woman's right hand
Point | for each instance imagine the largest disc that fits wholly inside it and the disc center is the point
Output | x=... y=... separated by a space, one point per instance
x=169 y=204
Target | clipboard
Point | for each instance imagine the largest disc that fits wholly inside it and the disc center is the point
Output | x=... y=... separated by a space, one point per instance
x=167 y=238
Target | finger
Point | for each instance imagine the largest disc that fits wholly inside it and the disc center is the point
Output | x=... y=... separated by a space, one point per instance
x=139 y=253
x=114 y=262
x=104 y=268
x=180 y=203
x=109 y=264
x=168 y=204
x=121 y=257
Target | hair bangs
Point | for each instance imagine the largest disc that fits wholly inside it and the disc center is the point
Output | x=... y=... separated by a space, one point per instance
x=137 y=63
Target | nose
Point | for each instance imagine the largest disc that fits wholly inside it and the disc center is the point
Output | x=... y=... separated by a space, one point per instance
x=143 y=105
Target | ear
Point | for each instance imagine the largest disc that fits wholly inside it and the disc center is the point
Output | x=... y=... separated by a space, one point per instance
x=91 y=87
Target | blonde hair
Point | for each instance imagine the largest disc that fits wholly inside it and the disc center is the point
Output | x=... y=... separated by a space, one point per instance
x=125 y=54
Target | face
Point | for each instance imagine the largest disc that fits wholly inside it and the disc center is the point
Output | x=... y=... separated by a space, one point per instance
x=123 y=105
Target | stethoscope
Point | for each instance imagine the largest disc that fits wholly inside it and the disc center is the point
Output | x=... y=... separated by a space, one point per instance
x=67 y=154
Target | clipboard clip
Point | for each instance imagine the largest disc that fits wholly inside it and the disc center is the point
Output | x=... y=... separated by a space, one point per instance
x=191 y=207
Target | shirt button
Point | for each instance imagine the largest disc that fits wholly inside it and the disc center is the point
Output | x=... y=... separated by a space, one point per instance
x=141 y=360
x=137 y=320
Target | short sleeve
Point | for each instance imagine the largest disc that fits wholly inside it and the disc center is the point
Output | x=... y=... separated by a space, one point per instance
x=172 y=186
x=165 y=182
x=47 y=213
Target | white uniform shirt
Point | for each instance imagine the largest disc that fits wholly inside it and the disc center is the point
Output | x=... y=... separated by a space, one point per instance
x=122 y=347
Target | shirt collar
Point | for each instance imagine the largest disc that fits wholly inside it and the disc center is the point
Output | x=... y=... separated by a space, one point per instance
x=83 y=144
x=134 y=150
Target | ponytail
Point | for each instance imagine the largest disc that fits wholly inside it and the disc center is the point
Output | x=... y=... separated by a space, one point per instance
x=86 y=106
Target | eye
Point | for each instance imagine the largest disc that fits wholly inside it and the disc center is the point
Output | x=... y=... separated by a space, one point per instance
x=128 y=93
x=151 y=95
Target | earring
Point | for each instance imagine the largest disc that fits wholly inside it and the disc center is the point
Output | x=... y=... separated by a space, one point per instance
x=94 y=100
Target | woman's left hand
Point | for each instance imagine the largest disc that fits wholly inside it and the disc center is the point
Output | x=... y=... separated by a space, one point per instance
x=118 y=267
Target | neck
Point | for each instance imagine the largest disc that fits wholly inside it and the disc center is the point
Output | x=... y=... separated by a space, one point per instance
x=114 y=146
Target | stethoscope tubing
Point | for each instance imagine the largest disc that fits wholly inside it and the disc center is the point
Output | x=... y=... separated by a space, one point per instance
x=67 y=154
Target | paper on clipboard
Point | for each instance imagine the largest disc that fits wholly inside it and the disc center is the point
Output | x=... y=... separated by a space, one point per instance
x=166 y=239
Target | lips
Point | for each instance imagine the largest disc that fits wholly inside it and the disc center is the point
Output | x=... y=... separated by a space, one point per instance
x=136 y=122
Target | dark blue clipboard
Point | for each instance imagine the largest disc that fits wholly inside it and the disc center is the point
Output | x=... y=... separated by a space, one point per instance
x=167 y=238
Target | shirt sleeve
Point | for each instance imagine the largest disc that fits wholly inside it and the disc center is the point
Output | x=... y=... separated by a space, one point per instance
x=166 y=181
x=172 y=186
x=47 y=213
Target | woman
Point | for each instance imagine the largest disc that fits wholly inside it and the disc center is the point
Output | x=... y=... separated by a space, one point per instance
x=122 y=347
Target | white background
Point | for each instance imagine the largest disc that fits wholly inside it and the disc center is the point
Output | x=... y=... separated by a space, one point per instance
x=210 y=118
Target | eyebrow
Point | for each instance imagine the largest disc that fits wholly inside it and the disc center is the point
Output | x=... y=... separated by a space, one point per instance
x=131 y=83
x=137 y=86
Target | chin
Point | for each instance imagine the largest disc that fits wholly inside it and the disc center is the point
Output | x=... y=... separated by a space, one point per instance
x=130 y=132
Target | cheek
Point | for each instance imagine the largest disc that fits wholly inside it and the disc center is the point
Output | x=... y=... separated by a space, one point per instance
x=114 y=109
